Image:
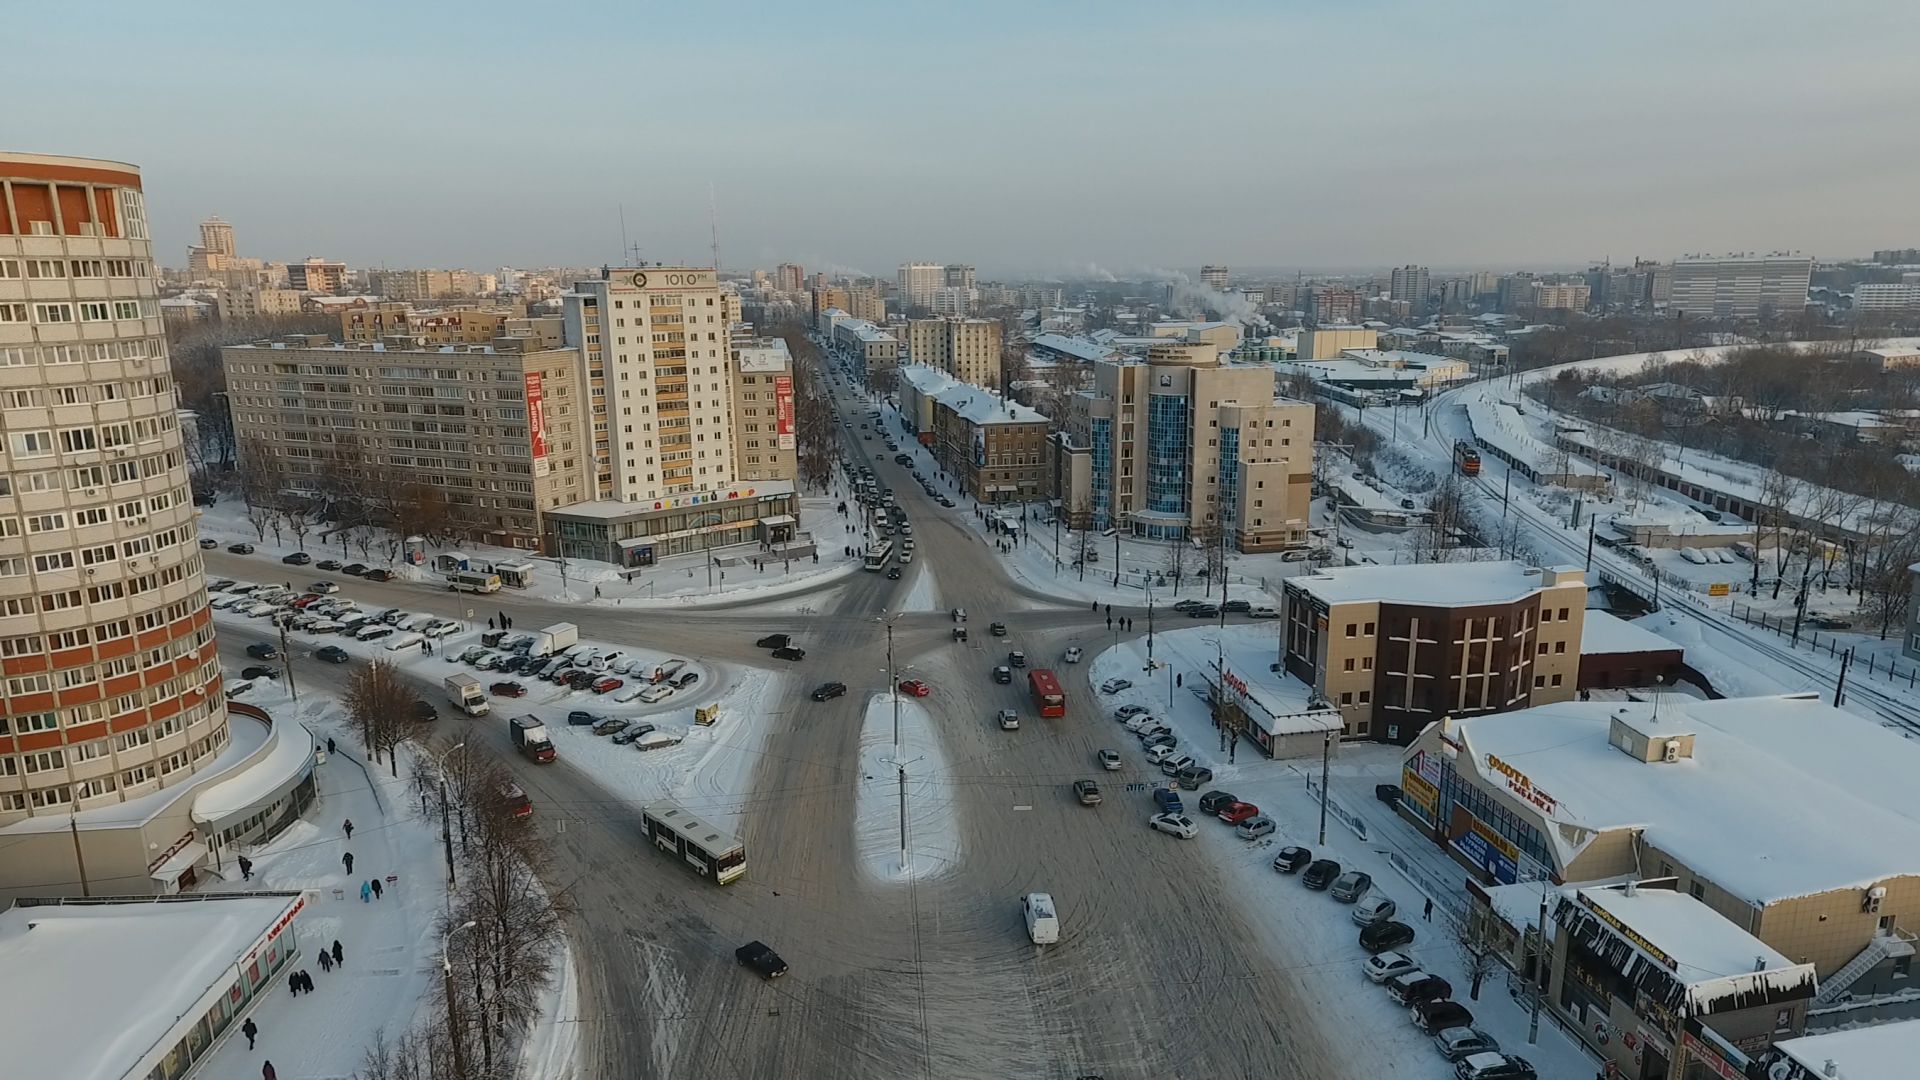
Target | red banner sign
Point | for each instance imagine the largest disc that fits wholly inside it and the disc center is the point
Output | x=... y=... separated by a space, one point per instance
x=783 y=410
x=537 y=423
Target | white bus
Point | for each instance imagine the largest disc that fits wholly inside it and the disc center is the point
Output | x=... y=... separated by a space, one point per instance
x=473 y=581
x=878 y=554
x=710 y=852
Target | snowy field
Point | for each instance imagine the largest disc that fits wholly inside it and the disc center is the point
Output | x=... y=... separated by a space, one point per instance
x=933 y=834
x=1310 y=931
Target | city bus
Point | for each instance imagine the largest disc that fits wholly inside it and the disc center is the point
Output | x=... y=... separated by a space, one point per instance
x=710 y=852
x=1047 y=696
x=1466 y=458
x=473 y=581
x=877 y=555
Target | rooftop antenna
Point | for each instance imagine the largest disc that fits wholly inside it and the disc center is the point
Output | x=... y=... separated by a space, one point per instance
x=624 y=246
x=713 y=227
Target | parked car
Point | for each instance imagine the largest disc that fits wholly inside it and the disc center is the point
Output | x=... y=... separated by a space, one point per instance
x=762 y=959
x=1291 y=859
x=583 y=718
x=789 y=652
x=1174 y=825
x=609 y=684
x=1374 y=907
x=1174 y=764
x=377 y=574
x=1379 y=937
x=1167 y=801
x=296 y=558
x=1387 y=793
x=1114 y=686
x=259 y=671
x=1255 y=827
x=1234 y=813
x=610 y=726
x=1383 y=966
x=424 y=711
x=1320 y=874
x=1159 y=754
x=655 y=693
x=1160 y=738
x=1087 y=792
x=1262 y=611
x=327 y=564
x=1237 y=605
x=632 y=732
x=1455 y=1043
x=1203 y=611
x=333 y=654
x=1493 y=1067
x=1351 y=886
x=1215 y=801
x=354 y=569
x=684 y=680
x=240 y=549
x=262 y=650
x=1415 y=987
x=207 y=544
x=1436 y=1016
x=915 y=687
x=1193 y=777
x=829 y=691
x=1128 y=712
x=507 y=689
x=1109 y=760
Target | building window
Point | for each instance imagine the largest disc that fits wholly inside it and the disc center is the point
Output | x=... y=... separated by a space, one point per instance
x=1353 y=629
x=1697 y=891
x=1346 y=697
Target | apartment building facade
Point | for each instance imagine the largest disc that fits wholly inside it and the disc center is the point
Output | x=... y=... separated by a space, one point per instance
x=765 y=442
x=967 y=349
x=1395 y=648
x=1181 y=443
x=919 y=281
x=317 y=275
x=1741 y=286
x=497 y=428
x=872 y=349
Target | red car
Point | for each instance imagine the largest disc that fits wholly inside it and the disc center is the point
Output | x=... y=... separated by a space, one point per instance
x=608 y=685
x=915 y=687
x=307 y=599
x=1236 y=812
x=508 y=689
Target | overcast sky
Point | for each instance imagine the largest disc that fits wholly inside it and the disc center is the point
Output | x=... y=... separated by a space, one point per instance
x=1033 y=137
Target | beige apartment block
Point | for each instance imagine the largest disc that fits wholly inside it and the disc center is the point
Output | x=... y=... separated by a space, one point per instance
x=498 y=427
x=765 y=444
x=1329 y=342
x=967 y=349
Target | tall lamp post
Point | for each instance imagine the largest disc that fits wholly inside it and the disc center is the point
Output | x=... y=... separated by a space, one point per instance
x=446 y=823
x=453 y=1002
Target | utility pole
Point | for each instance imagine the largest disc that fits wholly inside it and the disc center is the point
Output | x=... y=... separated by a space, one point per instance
x=1539 y=963
x=902 y=766
x=453 y=1001
x=1326 y=764
x=286 y=659
x=893 y=684
x=1592 y=523
x=1840 y=684
x=73 y=825
x=446 y=822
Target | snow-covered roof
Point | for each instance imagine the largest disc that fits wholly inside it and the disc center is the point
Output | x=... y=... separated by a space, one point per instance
x=1783 y=796
x=1454 y=584
x=1870 y=1052
x=245 y=735
x=1501 y=426
x=1400 y=358
x=1604 y=633
x=765 y=355
x=1078 y=347
x=92 y=989
x=926 y=379
x=865 y=330
x=289 y=759
x=1703 y=943
x=977 y=406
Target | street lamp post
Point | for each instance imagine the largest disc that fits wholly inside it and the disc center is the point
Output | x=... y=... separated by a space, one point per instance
x=446 y=821
x=453 y=1002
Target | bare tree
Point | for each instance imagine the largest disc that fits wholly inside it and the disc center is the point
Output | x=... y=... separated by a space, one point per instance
x=1478 y=954
x=380 y=707
x=1179 y=559
x=258 y=481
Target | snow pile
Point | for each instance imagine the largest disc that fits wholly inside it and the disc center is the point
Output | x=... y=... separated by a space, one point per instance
x=933 y=831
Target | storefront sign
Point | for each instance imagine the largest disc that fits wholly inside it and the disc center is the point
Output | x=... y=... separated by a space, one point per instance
x=285 y=921
x=1238 y=684
x=537 y=422
x=1627 y=932
x=1700 y=1052
x=1522 y=787
x=783 y=410
x=1428 y=767
x=1419 y=792
x=700 y=500
x=1488 y=850
x=1719 y=588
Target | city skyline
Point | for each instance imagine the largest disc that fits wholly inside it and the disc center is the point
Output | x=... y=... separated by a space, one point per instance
x=1255 y=145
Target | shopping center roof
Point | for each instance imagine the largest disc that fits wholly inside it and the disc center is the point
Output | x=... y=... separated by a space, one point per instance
x=1454 y=584
x=1603 y=633
x=1875 y=1052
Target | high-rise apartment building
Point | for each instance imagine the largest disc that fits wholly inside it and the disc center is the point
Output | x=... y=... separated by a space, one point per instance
x=789 y=277
x=217 y=237
x=317 y=275
x=958 y=276
x=1214 y=277
x=919 y=281
x=245 y=300
x=1332 y=305
x=496 y=428
x=829 y=297
x=765 y=442
x=1904 y=296
x=422 y=284
x=112 y=690
x=1561 y=296
x=951 y=300
x=1180 y=443
x=866 y=302
x=967 y=349
x=1413 y=285
x=1741 y=286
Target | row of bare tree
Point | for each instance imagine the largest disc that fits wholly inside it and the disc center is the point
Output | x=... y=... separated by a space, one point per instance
x=348 y=498
x=495 y=970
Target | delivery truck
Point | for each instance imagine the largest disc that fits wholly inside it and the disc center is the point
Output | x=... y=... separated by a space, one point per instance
x=530 y=738
x=467 y=695
x=557 y=638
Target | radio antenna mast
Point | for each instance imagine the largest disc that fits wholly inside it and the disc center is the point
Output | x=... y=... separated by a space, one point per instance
x=713 y=227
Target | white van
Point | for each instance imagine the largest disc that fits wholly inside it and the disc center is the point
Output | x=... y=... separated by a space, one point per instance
x=408 y=640
x=1043 y=919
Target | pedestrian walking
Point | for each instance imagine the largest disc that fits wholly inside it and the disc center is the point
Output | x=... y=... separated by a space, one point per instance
x=1428 y=913
x=339 y=954
x=376 y=888
x=347 y=861
x=246 y=868
x=366 y=892
x=1109 y=609
x=348 y=825
x=596 y=592
x=250 y=1030
x=1109 y=622
x=293 y=983
x=329 y=747
x=489 y=622
x=267 y=1073
x=326 y=961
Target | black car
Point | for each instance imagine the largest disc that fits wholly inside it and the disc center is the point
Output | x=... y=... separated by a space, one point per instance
x=789 y=652
x=893 y=573
x=582 y=718
x=259 y=672
x=1242 y=606
x=1291 y=859
x=1432 y=1016
x=333 y=654
x=297 y=558
x=684 y=680
x=327 y=564
x=1387 y=793
x=1419 y=988
x=1203 y=611
x=1213 y=801
x=424 y=711
x=775 y=641
x=240 y=549
x=1017 y=658
x=1379 y=937
x=580 y=680
x=998 y=629
x=1320 y=874
x=354 y=568
x=829 y=691
x=262 y=650
x=1003 y=675
x=378 y=575
x=762 y=959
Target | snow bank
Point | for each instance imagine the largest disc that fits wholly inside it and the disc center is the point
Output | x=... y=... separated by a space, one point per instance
x=933 y=832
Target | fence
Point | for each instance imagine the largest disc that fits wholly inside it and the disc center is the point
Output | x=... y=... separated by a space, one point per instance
x=1358 y=826
x=1868 y=664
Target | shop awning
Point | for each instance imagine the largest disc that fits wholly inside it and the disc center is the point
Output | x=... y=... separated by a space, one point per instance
x=778 y=519
x=178 y=862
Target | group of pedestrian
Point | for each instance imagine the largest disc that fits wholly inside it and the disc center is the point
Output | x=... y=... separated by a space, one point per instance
x=504 y=623
x=369 y=890
x=301 y=982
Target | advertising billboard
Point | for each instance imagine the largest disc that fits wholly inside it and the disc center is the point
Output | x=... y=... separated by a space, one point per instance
x=783 y=409
x=537 y=423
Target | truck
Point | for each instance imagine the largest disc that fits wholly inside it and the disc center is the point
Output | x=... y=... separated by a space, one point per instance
x=530 y=738
x=557 y=638
x=467 y=695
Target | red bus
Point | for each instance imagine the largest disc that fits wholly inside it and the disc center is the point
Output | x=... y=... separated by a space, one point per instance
x=1046 y=693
